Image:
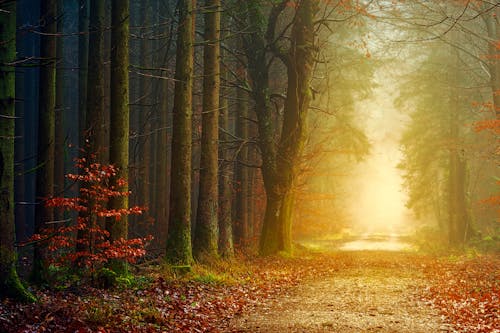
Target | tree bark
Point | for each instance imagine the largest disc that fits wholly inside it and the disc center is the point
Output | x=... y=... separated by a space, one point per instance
x=83 y=58
x=206 y=232
x=279 y=162
x=226 y=246
x=119 y=120
x=145 y=113
x=59 y=117
x=46 y=130
x=241 y=223
x=9 y=280
x=179 y=250
x=94 y=128
x=493 y=28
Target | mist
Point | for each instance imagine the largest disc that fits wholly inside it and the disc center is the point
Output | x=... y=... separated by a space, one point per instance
x=377 y=194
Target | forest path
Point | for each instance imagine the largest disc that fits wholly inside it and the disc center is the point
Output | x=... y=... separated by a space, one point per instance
x=376 y=292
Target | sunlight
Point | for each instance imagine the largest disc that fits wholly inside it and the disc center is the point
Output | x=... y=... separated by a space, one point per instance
x=378 y=197
x=377 y=243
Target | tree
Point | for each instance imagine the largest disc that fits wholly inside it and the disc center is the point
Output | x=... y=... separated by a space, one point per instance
x=83 y=59
x=119 y=121
x=46 y=129
x=94 y=128
x=179 y=238
x=206 y=232
x=226 y=246
x=278 y=160
x=9 y=281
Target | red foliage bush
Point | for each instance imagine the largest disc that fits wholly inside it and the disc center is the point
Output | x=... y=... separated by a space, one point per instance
x=93 y=246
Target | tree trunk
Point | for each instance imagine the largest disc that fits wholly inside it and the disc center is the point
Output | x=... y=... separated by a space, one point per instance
x=83 y=59
x=95 y=124
x=46 y=130
x=59 y=118
x=206 y=232
x=179 y=250
x=226 y=246
x=119 y=120
x=493 y=28
x=458 y=217
x=9 y=281
x=94 y=128
x=279 y=163
x=145 y=113
x=241 y=234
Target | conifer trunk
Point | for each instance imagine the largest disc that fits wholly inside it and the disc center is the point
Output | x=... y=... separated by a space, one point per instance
x=206 y=232
x=46 y=129
x=242 y=175
x=179 y=250
x=59 y=117
x=9 y=281
x=83 y=58
x=119 y=119
x=226 y=246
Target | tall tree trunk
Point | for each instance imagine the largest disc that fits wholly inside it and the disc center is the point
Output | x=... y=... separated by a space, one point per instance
x=95 y=125
x=119 y=119
x=226 y=246
x=458 y=231
x=206 y=232
x=59 y=116
x=145 y=111
x=83 y=59
x=94 y=128
x=279 y=163
x=46 y=130
x=241 y=224
x=179 y=239
x=9 y=281
x=163 y=134
x=493 y=28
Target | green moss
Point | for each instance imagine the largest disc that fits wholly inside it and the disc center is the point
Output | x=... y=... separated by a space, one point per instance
x=12 y=287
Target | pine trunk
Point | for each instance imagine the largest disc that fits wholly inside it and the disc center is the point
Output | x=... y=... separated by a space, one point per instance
x=83 y=58
x=46 y=130
x=179 y=250
x=119 y=120
x=241 y=205
x=9 y=281
x=59 y=117
x=206 y=232
x=226 y=246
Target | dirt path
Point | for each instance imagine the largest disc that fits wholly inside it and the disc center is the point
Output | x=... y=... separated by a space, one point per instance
x=376 y=292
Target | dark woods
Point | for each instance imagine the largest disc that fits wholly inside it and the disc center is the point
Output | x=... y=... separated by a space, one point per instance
x=188 y=131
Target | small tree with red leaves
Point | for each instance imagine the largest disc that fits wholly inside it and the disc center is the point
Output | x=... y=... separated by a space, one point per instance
x=92 y=249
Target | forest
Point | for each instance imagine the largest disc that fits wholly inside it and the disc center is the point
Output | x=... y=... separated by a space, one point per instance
x=249 y=166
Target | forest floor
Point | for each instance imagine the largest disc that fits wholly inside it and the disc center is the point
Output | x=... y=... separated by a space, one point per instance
x=368 y=290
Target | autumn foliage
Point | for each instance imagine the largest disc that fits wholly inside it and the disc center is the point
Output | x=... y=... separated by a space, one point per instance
x=93 y=247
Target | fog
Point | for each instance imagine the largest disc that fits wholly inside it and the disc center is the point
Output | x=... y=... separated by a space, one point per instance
x=377 y=197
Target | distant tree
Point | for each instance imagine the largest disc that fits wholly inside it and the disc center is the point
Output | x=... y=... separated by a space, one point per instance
x=119 y=121
x=491 y=17
x=9 y=281
x=46 y=128
x=434 y=144
x=206 y=231
x=179 y=249
x=241 y=222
